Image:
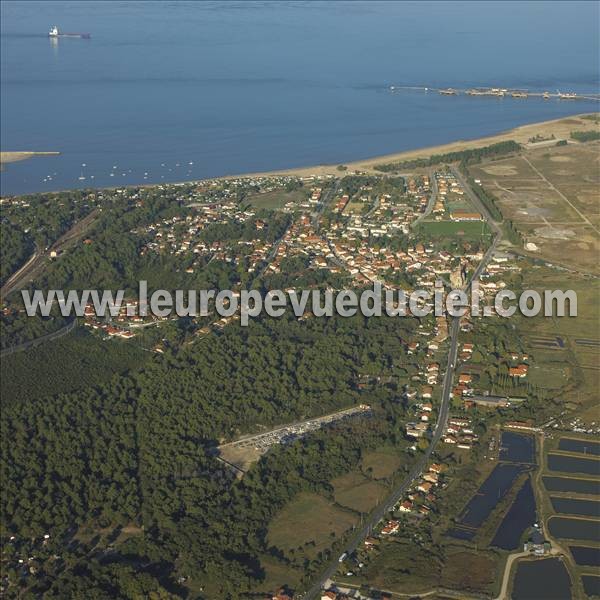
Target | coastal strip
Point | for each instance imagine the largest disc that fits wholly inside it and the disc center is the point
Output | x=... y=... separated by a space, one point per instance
x=559 y=128
x=10 y=157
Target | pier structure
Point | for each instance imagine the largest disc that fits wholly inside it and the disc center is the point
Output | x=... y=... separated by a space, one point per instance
x=499 y=93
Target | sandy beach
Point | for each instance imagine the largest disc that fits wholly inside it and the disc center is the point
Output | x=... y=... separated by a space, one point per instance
x=10 y=157
x=559 y=128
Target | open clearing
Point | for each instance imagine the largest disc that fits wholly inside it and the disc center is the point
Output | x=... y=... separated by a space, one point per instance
x=552 y=195
x=381 y=464
x=471 y=230
x=307 y=524
x=276 y=199
x=479 y=576
x=549 y=377
x=358 y=493
x=566 y=350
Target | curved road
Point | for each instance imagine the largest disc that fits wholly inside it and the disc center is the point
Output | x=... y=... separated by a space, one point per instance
x=38 y=259
x=440 y=425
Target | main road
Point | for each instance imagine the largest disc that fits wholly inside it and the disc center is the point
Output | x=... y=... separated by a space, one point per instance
x=417 y=469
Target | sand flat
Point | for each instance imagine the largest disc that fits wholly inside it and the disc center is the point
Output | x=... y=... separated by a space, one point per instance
x=10 y=157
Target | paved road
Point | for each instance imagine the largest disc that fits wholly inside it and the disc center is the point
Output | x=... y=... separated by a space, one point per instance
x=268 y=259
x=42 y=339
x=494 y=226
x=430 y=202
x=418 y=468
x=332 y=190
x=326 y=198
x=413 y=474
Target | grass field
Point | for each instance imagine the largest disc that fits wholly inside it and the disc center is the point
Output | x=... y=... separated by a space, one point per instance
x=276 y=573
x=381 y=463
x=356 y=492
x=479 y=576
x=550 y=376
x=471 y=230
x=566 y=349
x=459 y=205
x=356 y=206
x=306 y=525
x=276 y=199
x=403 y=567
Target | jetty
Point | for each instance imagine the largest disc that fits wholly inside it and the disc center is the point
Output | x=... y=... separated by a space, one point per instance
x=497 y=92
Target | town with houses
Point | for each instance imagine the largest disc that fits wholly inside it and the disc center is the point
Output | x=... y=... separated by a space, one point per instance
x=350 y=231
x=355 y=239
x=299 y=300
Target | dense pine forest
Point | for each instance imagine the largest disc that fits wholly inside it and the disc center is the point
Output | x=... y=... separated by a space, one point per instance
x=138 y=452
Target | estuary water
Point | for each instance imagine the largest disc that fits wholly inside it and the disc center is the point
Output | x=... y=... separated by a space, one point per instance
x=169 y=91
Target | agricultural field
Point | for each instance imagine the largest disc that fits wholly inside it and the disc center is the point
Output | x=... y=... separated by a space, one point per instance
x=308 y=525
x=566 y=350
x=552 y=195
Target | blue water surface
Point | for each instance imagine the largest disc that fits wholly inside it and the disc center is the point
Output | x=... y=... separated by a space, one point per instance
x=167 y=91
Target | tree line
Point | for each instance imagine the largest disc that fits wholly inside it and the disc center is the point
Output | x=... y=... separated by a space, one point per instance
x=469 y=156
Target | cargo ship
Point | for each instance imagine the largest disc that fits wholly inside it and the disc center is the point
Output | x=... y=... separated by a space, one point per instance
x=55 y=33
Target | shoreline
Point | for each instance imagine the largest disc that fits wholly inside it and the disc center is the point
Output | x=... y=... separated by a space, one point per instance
x=19 y=155
x=560 y=128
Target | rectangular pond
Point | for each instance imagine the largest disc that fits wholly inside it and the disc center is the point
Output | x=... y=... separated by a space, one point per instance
x=566 y=484
x=491 y=491
x=591 y=584
x=583 y=446
x=574 y=529
x=541 y=580
x=573 y=506
x=573 y=464
x=459 y=533
x=519 y=517
x=517 y=447
x=586 y=556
